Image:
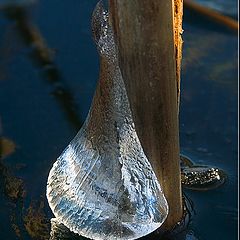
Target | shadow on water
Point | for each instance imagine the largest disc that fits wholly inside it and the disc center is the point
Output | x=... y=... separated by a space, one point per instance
x=42 y=56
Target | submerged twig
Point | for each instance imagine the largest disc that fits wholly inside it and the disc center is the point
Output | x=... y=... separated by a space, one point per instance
x=212 y=14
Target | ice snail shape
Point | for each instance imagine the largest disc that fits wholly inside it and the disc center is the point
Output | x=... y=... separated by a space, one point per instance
x=102 y=186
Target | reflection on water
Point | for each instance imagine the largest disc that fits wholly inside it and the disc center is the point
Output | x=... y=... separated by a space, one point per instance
x=43 y=57
x=33 y=219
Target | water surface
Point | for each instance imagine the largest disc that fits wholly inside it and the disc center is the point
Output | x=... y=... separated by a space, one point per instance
x=48 y=73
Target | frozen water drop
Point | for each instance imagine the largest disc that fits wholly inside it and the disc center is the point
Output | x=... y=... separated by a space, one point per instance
x=103 y=186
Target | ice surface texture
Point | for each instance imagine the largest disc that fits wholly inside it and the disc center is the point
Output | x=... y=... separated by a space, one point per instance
x=102 y=186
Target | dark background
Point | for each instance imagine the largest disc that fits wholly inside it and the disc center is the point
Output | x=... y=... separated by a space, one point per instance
x=48 y=73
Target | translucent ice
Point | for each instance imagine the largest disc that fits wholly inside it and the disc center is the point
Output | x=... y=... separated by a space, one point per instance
x=103 y=186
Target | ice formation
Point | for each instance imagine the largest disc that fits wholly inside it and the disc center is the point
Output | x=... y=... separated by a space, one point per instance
x=103 y=186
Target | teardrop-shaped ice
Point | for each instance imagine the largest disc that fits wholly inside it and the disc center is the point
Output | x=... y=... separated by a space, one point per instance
x=102 y=186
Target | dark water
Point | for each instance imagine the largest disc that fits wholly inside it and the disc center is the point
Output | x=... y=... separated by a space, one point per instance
x=48 y=73
x=229 y=7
